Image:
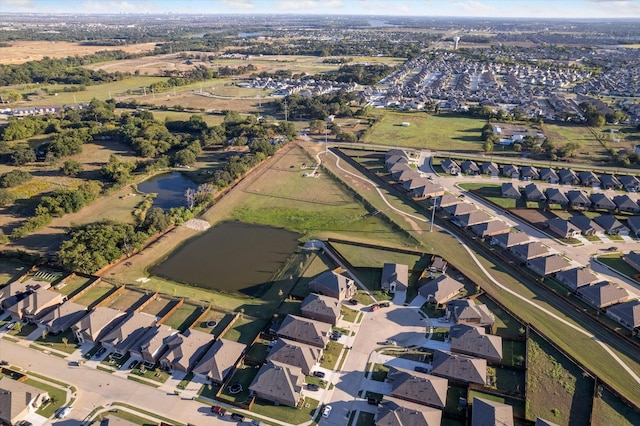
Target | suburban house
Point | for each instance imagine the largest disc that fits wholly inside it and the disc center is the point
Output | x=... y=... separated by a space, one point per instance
x=603 y=294
x=548 y=265
x=600 y=201
x=578 y=200
x=529 y=173
x=300 y=355
x=633 y=222
x=395 y=277
x=18 y=399
x=220 y=360
x=123 y=337
x=448 y=200
x=36 y=304
x=549 y=175
x=395 y=152
x=586 y=225
x=491 y=228
x=470 y=167
x=470 y=340
x=568 y=177
x=577 y=277
x=460 y=209
x=611 y=225
x=438 y=264
x=395 y=159
x=397 y=412
x=332 y=284
x=459 y=368
x=279 y=383
x=472 y=218
x=406 y=175
x=626 y=204
x=529 y=250
x=62 y=317
x=533 y=193
x=321 y=308
x=511 y=239
x=13 y=292
x=510 y=190
x=589 y=179
x=440 y=290
x=609 y=182
x=555 y=196
x=429 y=190
x=563 y=228
x=633 y=259
x=511 y=171
x=626 y=313
x=153 y=343
x=397 y=169
x=467 y=311
x=410 y=185
x=490 y=413
x=97 y=323
x=185 y=350
x=299 y=329
x=450 y=166
x=630 y=183
x=417 y=387
x=490 y=168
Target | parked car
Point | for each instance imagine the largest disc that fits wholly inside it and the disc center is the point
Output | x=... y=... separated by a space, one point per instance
x=11 y=325
x=134 y=364
x=443 y=319
x=333 y=337
x=326 y=411
x=313 y=386
x=390 y=343
x=64 y=412
x=100 y=352
x=353 y=301
x=319 y=374
x=373 y=401
x=421 y=369
x=218 y=410
x=384 y=304
x=375 y=307
x=237 y=417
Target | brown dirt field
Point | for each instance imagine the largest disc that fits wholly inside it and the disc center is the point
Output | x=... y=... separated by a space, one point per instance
x=193 y=100
x=23 y=51
x=533 y=216
x=158 y=305
x=125 y=300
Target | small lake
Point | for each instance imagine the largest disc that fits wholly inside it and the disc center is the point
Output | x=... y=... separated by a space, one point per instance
x=231 y=257
x=170 y=188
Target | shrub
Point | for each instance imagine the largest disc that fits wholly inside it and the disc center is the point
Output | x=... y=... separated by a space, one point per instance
x=14 y=178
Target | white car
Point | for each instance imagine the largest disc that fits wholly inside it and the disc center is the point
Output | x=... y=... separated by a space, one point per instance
x=64 y=412
x=326 y=411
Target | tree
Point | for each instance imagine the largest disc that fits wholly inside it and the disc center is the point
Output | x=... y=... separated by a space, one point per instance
x=185 y=157
x=316 y=126
x=117 y=171
x=65 y=341
x=22 y=155
x=72 y=168
x=487 y=146
x=14 y=178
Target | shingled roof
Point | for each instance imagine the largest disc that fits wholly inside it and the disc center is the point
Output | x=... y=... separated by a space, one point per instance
x=418 y=387
x=473 y=341
x=397 y=412
x=460 y=368
x=491 y=413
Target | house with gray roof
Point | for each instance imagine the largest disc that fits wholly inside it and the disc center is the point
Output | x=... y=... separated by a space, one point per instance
x=395 y=277
x=630 y=183
x=549 y=175
x=603 y=294
x=18 y=400
x=62 y=317
x=459 y=368
x=410 y=185
x=184 y=350
x=397 y=168
x=469 y=340
x=490 y=413
x=467 y=311
x=472 y=218
x=440 y=290
x=406 y=175
x=321 y=308
x=609 y=182
x=529 y=250
x=511 y=171
x=395 y=152
x=417 y=387
x=555 y=196
x=96 y=324
x=589 y=178
x=279 y=383
x=460 y=209
x=219 y=361
x=627 y=314
x=568 y=177
x=529 y=173
x=300 y=355
x=305 y=330
x=429 y=190
x=511 y=239
x=397 y=412
x=395 y=159
x=578 y=200
x=586 y=225
x=491 y=228
x=333 y=284
x=13 y=292
x=35 y=305
x=128 y=332
x=533 y=193
x=633 y=222
x=548 y=265
x=510 y=190
x=470 y=167
x=611 y=225
x=562 y=228
x=153 y=343
x=490 y=168
x=438 y=264
x=633 y=259
x=625 y=204
x=449 y=166
x=600 y=201
x=577 y=277
x=448 y=200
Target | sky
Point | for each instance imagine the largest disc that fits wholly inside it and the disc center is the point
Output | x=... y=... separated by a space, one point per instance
x=462 y=8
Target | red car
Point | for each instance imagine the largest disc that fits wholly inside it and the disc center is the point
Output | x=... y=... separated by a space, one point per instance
x=218 y=410
x=375 y=307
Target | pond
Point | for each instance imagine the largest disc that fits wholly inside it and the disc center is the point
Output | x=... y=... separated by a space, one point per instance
x=170 y=188
x=232 y=257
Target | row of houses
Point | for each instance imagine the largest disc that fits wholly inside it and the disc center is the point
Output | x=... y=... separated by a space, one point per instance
x=397 y=163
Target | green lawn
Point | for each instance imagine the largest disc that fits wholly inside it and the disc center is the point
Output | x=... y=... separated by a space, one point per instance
x=330 y=355
x=292 y=416
x=58 y=397
x=505 y=325
x=259 y=351
x=184 y=316
x=11 y=271
x=513 y=352
x=245 y=330
x=316 y=381
x=349 y=314
x=379 y=372
x=64 y=342
x=95 y=294
x=366 y=257
x=609 y=410
x=72 y=285
x=363 y=298
x=243 y=375
x=614 y=261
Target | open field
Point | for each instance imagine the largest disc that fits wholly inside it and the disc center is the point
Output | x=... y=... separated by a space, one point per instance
x=193 y=100
x=11 y=271
x=125 y=300
x=210 y=119
x=159 y=306
x=24 y=51
x=446 y=132
x=183 y=317
x=609 y=410
x=364 y=257
x=614 y=261
x=94 y=294
x=71 y=285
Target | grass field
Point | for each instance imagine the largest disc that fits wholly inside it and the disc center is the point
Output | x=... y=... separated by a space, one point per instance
x=365 y=257
x=59 y=397
x=614 y=261
x=184 y=316
x=94 y=294
x=493 y=193
x=125 y=299
x=160 y=306
x=72 y=285
x=289 y=415
x=11 y=271
x=446 y=132
x=21 y=51
x=609 y=410
x=330 y=355
x=210 y=119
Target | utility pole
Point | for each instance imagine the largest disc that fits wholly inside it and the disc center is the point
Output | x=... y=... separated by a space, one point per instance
x=325 y=137
x=433 y=213
x=285 y=109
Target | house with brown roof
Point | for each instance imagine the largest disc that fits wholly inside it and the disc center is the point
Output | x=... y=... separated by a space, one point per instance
x=577 y=277
x=627 y=314
x=475 y=217
x=529 y=173
x=600 y=201
x=555 y=196
x=562 y=228
x=96 y=324
x=548 y=265
x=299 y=329
x=153 y=343
x=279 y=383
x=630 y=183
x=397 y=168
x=219 y=361
x=511 y=239
x=397 y=412
x=395 y=159
x=410 y=185
x=470 y=167
x=321 y=308
x=511 y=171
x=406 y=175
x=395 y=277
x=395 y=152
x=510 y=190
x=470 y=340
x=298 y=354
x=491 y=228
x=18 y=399
x=420 y=388
x=13 y=292
x=586 y=225
x=529 y=251
x=603 y=294
x=184 y=350
x=568 y=177
x=549 y=175
x=62 y=317
x=633 y=259
x=428 y=190
x=588 y=178
x=533 y=193
x=467 y=311
x=459 y=368
x=448 y=200
x=332 y=284
x=35 y=305
x=438 y=264
x=609 y=182
x=490 y=168
x=491 y=413
x=440 y=290
x=128 y=332
x=460 y=209
x=578 y=200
